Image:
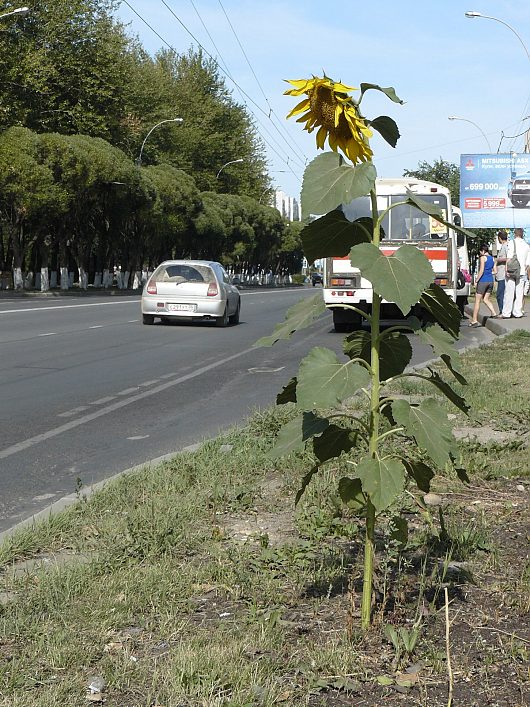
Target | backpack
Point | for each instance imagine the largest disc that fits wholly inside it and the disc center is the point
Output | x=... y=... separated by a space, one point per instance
x=513 y=268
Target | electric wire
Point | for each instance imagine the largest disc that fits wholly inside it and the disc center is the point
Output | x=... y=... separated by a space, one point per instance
x=166 y=43
x=259 y=108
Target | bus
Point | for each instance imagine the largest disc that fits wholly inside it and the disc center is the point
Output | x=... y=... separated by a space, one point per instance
x=404 y=224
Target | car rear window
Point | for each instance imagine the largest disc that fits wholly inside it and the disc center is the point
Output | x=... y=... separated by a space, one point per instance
x=183 y=273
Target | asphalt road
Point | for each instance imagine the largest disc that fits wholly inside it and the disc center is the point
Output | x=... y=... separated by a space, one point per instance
x=87 y=390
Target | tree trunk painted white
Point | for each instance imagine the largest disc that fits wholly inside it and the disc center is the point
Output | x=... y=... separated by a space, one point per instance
x=107 y=279
x=83 y=278
x=126 y=278
x=97 y=279
x=64 y=279
x=53 y=279
x=137 y=280
x=44 y=280
x=18 y=281
x=119 y=280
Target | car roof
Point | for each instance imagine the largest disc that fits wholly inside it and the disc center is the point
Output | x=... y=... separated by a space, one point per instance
x=184 y=261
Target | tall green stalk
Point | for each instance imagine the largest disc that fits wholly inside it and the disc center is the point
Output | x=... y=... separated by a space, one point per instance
x=369 y=542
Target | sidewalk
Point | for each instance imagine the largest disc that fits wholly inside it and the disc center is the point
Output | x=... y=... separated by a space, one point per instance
x=500 y=327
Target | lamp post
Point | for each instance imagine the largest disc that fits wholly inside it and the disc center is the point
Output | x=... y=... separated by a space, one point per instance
x=455 y=117
x=226 y=165
x=472 y=14
x=18 y=11
x=168 y=120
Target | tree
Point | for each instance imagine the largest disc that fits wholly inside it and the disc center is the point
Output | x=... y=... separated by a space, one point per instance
x=441 y=172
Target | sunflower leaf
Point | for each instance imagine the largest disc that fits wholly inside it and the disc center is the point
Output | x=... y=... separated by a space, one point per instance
x=332 y=442
x=438 y=303
x=400 y=277
x=389 y=91
x=435 y=211
x=293 y=436
x=299 y=316
x=324 y=382
x=457 y=400
x=387 y=128
x=288 y=393
x=382 y=480
x=333 y=235
x=428 y=424
x=330 y=182
x=395 y=351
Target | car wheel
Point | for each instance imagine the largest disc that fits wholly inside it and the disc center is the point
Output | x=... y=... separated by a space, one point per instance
x=234 y=319
x=222 y=321
x=148 y=318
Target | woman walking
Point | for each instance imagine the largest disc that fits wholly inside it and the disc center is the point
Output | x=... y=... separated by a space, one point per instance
x=484 y=284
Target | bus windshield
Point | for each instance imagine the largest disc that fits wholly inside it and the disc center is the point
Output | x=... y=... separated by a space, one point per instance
x=404 y=222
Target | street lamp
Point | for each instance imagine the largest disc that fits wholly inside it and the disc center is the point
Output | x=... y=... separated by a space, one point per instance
x=168 y=120
x=18 y=11
x=472 y=13
x=226 y=165
x=455 y=117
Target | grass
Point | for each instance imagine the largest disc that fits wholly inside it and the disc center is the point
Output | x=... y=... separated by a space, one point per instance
x=197 y=583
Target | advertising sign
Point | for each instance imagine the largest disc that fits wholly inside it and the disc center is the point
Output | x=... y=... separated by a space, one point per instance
x=495 y=190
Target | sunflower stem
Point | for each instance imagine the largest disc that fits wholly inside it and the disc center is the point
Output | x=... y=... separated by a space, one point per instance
x=369 y=542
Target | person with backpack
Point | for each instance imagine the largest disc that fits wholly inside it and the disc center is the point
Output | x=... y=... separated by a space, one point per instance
x=517 y=257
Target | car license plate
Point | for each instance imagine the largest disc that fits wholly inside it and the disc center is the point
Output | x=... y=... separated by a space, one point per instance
x=173 y=307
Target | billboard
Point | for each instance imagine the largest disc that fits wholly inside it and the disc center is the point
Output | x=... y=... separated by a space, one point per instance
x=495 y=190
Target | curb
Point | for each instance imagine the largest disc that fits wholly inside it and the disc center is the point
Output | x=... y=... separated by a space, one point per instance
x=72 y=498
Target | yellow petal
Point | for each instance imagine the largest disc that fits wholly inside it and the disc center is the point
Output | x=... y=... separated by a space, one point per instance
x=300 y=108
x=342 y=88
x=338 y=113
x=321 y=137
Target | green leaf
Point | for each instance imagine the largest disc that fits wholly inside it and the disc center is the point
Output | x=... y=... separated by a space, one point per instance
x=462 y=475
x=351 y=493
x=324 y=382
x=444 y=387
x=333 y=442
x=421 y=473
x=382 y=480
x=400 y=532
x=288 y=393
x=334 y=235
x=400 y=277
x=384 y=680
x=389 y=91
x=387 y=128
x=428 y=424
x=299 y=316
x=293 y=436
x=440 y=340
x=436 y=301
x=330 y=182
x=437 y=212
x=395 y=351
x=305 y=483
x=450 y=363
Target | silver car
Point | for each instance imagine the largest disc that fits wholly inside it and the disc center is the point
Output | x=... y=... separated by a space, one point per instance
x=191 y=289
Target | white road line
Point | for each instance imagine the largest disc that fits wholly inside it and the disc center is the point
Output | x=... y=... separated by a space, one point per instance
x=132 y=321
x=49 y=333
x=32 y=441
x=144 y=385
x=101 y=401
x=65 y=306
x=128 y=391
x=69 y=413
x=96 y=326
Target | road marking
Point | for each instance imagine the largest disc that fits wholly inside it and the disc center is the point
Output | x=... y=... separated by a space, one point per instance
x=70 y=413
x=265 y=370
x=32 y=441
x=132 y=321
x=65 y=306
x=50 y=333
x=144 y=385
x=96 y=326
x=101 y=401
x=128 y=391
x=138 y=437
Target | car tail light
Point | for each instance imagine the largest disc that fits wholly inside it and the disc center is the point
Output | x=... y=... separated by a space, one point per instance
x=151 y=288
x=212 y=290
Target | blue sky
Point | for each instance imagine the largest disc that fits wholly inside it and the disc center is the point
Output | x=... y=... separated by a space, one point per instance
x=439 y=62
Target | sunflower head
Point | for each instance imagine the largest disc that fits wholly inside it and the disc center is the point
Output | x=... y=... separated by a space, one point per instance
x=328 y=105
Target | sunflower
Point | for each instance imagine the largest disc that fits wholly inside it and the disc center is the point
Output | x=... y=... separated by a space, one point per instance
x=328 y=105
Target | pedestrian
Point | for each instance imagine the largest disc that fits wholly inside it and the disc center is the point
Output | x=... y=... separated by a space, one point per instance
x=514 y=289
x=502 y=241
x=484 y=284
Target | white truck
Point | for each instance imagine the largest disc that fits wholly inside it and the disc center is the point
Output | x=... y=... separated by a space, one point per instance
x=345 y=285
